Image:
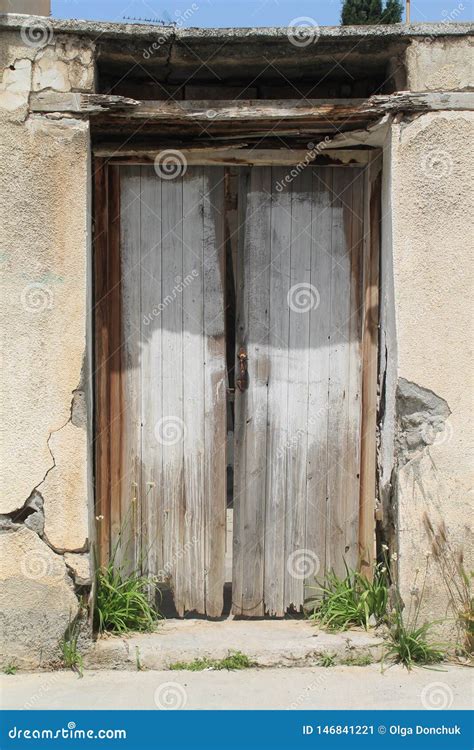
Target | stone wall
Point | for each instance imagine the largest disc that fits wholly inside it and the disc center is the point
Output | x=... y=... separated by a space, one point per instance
x=45 y=223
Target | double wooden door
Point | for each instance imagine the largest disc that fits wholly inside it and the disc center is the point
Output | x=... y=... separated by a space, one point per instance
x=297 y=381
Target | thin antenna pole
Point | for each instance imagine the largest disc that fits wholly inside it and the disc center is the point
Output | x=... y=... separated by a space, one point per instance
x=407 y=14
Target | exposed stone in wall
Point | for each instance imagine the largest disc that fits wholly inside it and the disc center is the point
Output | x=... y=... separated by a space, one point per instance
x=37 y=600
x=57 y=63
x=80 y=566
x=421 y=417
x=437 y=64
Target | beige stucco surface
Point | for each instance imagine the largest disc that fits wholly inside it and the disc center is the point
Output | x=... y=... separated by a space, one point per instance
x=432 y=195
x=440 y=64
x=44 y=214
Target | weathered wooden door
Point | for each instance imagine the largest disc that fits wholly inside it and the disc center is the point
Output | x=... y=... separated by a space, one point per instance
x=168 y=504
x=298 y=408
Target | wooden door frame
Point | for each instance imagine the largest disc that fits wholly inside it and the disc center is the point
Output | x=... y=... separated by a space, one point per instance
x=108 y=385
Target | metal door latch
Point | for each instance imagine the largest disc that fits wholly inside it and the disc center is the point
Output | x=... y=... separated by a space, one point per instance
x=243 y=379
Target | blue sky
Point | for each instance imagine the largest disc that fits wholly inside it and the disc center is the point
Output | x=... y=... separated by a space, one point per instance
x=214 y=13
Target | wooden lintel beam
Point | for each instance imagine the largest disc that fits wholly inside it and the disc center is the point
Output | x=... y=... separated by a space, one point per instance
x=210 y=111
x=318 y=109
x=237 y=156
x=76 y=103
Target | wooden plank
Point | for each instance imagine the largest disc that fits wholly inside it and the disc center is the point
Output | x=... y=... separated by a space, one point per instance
x=369 y=365
x=278 y=445
x=171 y=428
x=126 y=520
x=215 y=387
x=248 y=597
x=195 y=454
x=115 y=380
x=128 y=153
x=300 y=300
x=317 y=431
x=354 y=217
x=240 y=403
x=246 y=110
x=338 y=374
x=54 y=101
x=150 y=364
x=101 y=360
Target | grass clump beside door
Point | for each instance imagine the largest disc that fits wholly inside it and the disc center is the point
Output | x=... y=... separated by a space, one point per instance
x=123 y=601
x=352 y=600
x=355 y=601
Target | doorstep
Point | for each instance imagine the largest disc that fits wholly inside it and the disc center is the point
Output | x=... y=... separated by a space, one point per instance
x=269 y=643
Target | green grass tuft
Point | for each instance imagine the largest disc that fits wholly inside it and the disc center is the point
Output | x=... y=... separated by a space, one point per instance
x=410 y=644
x=327 y=660
x=122 y=602
x=71 y=657
x=233 y=660
x=10 y=669
x=357 y=660
x=350 y=601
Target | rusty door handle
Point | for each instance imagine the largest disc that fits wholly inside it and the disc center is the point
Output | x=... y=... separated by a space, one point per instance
x=243 y=379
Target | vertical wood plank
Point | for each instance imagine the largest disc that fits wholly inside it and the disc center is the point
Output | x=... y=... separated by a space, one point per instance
x=150 y=364
x=317 y=432
x=240 y=405
x=251 y=484
x=171 y=428
x=126 y=521
x=195 y=455
x=215 y=387
x=278 y=444
x=340 y=314
x=354 y=219
x=301 y=300
x=101 y=359
x=369 y=366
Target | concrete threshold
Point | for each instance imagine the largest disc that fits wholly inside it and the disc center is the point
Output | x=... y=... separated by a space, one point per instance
x=277 y=643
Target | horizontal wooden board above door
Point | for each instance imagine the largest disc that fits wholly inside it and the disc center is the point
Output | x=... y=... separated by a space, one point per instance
x=238 y=156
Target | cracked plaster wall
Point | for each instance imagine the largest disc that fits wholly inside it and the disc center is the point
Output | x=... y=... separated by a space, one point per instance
x=437 y=64
x=44 y=213
x=427 y=321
